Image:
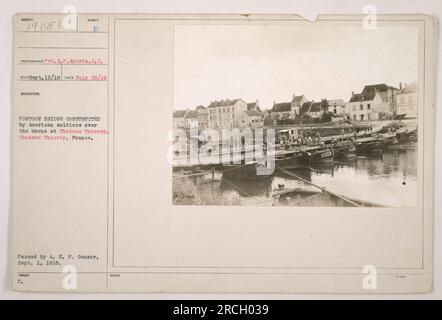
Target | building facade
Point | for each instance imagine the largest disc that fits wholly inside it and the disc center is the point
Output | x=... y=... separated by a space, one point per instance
x=179 y=121
x=338 y=107
x=288 y=110
x=407 y=101
x=315 y=109
x=296 y=104
x=190 y=119
x=254 y=106
x=375 y=102
x=202 y=117
x=185 y=119
x=281 y=110
x=252 y=119
x=387 y=95
x=365 y=107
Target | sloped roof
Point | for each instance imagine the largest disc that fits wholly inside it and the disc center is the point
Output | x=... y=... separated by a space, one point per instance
x=337 y=102
x=305 y=107
x=297 y=99
x=254 y=106
x=201 y=110
x=282 y=107
x=381 y=87
x=223 y=103
x=310 y=107
x=359 y=97
x=251 y=105
x=191 y=114
x=324 y=104
x=314 y=106
x=179 y=113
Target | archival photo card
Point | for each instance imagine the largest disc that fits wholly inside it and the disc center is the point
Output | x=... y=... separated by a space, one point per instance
x=223 y=153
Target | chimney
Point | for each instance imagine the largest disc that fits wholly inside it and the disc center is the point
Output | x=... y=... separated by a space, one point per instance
x=294 y=96
x=352 y=93
x=400 y=85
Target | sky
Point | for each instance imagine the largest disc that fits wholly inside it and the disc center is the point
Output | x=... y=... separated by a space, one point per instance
x=271 y=63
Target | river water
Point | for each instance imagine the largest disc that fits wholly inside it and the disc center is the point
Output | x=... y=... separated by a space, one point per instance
x=388 y=179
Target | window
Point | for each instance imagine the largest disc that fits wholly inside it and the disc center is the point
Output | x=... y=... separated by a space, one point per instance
x=354 y=108
x=361 y=107
x=354 y=117
x=362 y=117
x=368 y=106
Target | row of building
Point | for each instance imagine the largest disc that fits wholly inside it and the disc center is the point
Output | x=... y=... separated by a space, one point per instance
x=227 y=113
x=374 y=102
